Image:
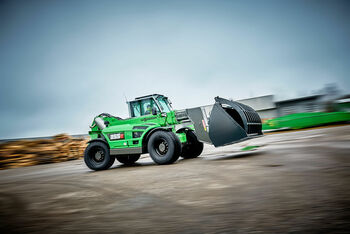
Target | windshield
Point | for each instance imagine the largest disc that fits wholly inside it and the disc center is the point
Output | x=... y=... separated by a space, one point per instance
x=164 y=105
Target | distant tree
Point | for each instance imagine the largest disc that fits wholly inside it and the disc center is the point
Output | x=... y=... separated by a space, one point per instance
x=331 y=92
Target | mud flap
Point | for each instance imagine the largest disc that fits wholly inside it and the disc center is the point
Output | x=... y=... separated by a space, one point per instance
x=225 y=122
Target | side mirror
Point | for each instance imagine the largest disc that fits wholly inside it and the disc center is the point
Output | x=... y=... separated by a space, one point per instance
x=154 y=111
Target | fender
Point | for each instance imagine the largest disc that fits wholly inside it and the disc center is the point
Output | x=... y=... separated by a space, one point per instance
x=149 y=133
x=99 y=140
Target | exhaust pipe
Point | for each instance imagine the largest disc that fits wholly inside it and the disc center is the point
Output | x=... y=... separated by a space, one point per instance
x=226 y=122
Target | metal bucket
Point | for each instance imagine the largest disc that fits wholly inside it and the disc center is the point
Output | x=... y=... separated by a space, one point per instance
x=226 y=122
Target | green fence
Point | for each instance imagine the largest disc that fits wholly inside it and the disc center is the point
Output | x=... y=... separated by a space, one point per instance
x=305 y=120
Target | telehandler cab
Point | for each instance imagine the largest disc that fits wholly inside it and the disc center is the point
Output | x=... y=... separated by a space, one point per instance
x=166 y=134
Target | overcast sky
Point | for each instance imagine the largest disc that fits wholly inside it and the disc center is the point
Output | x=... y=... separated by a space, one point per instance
x=63 y=62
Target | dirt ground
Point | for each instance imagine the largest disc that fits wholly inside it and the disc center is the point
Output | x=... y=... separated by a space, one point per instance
x=294 y=182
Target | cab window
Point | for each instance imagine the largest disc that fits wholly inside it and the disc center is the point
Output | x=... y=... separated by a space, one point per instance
x=147 y=105
x=135 y=109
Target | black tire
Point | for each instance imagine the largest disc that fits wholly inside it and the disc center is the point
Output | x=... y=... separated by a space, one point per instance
x=129 y=159
x=193 y=148
x=97 y=157
x=164 y=147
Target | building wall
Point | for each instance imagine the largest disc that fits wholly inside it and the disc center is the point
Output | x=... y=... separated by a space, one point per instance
x=259 y=103
x=264 y=105
x=267 y=108
x=298 y=107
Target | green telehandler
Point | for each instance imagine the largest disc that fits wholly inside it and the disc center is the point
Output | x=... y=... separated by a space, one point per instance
x=166 y=134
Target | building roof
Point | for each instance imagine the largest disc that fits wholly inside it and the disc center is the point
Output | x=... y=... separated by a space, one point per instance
x=259 y=103
x=312 y=97
x=344 y=97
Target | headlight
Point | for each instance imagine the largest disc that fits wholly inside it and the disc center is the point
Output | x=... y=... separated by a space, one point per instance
x=116 y=136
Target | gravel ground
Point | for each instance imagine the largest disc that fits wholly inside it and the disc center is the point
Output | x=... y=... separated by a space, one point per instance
x=294 y=182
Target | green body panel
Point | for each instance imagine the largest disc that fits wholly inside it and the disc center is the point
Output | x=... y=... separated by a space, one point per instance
x=128 y=130
x=131 y=125
x=304 y=120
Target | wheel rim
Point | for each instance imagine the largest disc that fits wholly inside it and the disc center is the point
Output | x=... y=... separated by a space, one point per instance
x=97 y=155
x=161 y=147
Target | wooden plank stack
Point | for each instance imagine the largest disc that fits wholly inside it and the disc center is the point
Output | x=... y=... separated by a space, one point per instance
x=59 y=148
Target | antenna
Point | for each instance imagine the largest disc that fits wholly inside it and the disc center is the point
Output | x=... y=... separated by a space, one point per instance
x=125 y=98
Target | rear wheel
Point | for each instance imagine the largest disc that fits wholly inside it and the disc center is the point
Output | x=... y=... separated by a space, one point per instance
x=164 y=147
x=193 y=148
x=128 y=159
x=97 y=157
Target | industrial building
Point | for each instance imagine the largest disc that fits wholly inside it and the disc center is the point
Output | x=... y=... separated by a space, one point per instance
x=267 y=108
x=342 y=103
x=298 y=105
x=264 y=105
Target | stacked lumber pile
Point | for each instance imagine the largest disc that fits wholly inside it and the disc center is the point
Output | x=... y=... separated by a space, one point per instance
x=59 y=148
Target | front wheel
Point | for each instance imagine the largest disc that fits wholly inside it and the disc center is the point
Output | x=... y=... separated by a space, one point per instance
x=164 y=147
x=128 y=159
x=97 y=157
x=193 y=148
